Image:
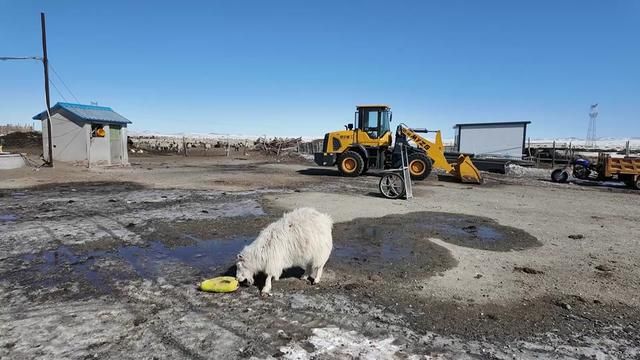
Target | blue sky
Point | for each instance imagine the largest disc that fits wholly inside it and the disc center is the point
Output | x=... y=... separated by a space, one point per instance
x=300 y=67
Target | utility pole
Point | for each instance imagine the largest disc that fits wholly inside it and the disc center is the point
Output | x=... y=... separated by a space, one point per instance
x=45 y=63
x=591 y=130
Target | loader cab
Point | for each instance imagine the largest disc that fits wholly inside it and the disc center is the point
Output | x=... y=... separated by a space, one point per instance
x=374 y=121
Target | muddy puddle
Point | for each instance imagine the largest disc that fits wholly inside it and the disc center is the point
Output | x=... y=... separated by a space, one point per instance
x=394 y=247
x=89 y=186
x=394 y=235
x=398 y=245
x=206 y=257
x=8 y=217
x=101 y=270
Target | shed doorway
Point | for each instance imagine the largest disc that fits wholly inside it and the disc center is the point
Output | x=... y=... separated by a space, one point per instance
x=115 y=143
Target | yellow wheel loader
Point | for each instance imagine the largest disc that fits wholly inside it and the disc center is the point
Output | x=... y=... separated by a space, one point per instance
x=368 y=145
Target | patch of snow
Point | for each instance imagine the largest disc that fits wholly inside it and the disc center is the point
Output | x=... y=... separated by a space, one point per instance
x=333 y=342
x=522 y=171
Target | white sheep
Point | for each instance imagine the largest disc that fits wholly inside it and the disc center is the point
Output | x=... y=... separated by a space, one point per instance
x=301 y=238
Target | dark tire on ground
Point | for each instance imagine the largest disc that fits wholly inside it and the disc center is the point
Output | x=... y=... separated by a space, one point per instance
x=559 y=176
x=419 y=166
x=365 y=168
x=350 y=164
x=636 y=183
x=627 y=180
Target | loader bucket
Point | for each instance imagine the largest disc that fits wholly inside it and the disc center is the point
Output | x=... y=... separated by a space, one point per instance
x=465 y=171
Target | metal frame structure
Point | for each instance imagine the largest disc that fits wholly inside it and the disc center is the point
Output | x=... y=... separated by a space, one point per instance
x=397 y=182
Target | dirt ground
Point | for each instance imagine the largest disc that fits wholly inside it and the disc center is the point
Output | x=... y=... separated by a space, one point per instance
x=104 y=263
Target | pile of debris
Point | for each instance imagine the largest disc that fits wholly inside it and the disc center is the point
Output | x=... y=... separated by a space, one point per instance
x=22 y=139
x=276 y=146
x=11 y=128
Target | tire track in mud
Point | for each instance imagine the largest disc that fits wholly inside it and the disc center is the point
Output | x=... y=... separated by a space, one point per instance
x=127 y=301
x=185 y=303
x=167 y=338
x=180 y=304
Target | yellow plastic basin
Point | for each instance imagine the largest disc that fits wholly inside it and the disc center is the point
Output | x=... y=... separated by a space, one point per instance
x=220 y=284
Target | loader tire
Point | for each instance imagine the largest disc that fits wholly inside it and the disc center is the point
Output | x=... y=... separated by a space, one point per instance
x=365 y=168
x=419 y=166
x=350 y=164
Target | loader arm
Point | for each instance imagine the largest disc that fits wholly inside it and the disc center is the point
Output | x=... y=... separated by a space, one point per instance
x=464 y=169
x=434 y=150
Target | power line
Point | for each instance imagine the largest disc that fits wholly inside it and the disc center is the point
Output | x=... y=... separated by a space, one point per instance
x=63 y=83
x=57 y=90
x=5 y=58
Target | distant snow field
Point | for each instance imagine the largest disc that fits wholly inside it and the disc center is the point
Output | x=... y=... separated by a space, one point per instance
x=602 y=143
x=214 y=136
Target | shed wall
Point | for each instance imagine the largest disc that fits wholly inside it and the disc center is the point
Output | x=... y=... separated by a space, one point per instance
x=100 y=151
x=493 y=140
x=69 y=139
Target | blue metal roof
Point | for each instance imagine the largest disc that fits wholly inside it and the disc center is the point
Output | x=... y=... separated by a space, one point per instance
x=86 y=113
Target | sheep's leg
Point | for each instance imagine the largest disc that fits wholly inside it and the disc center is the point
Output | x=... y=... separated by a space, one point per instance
x=266 y=290
x=307 y=272
x=317 y=274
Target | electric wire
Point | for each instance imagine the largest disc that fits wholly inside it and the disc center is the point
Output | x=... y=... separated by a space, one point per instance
x=63 y=83
x=57 y=90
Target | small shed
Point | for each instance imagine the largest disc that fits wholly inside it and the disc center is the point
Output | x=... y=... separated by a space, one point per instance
x=86 y=133
x=497 y=139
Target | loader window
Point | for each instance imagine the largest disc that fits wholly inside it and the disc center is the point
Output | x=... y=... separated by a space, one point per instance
x=384 y=122
x=371 y=124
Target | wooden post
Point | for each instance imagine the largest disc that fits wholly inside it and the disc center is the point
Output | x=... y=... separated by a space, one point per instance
x=184 y=145
x=570 y=153
x=627 y=149
x=529 y=146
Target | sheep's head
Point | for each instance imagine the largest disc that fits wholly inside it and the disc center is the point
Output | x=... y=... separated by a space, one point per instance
x=243 y=272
